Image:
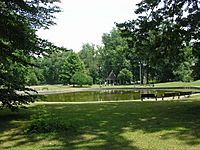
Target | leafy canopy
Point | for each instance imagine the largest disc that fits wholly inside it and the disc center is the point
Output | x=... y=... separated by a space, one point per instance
x=161 y=33
x=19 y=44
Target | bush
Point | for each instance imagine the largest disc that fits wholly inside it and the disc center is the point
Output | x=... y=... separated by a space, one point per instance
x=89 y=80
x=125 y=76
x=46 y=125
x=81 y=78
x=44 y=122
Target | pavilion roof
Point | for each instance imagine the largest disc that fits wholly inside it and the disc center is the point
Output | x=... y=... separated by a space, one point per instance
x=111 y=76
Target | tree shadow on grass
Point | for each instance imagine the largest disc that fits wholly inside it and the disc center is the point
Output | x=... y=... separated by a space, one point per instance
x=13 y=126
x=106 y=122
x=12 y=129
x=103 y=126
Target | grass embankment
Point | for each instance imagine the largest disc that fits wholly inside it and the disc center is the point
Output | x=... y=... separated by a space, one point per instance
x=173 y=125
x=71 y=88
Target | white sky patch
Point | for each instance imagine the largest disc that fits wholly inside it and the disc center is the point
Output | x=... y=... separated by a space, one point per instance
x=85 y=21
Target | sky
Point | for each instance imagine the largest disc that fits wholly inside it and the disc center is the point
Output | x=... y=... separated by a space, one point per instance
x=85 y=21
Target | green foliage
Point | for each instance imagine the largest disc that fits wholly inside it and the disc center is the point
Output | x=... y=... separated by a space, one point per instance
x=34 y=75
x=160 y=33
x=19 y=44
x=46 y=125
x=71 y=63
x=32 y=78
x=51 y=68
x=89 y=80
x=90 y=57
x=46 y=122
x=114 y=52
x=184 y=72
x=58 y=67
x=125 y=76
x=81 y=78
x=13 y=79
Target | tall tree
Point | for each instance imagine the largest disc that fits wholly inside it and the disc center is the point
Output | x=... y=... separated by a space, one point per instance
x=71 y=63
x=19 y=43
x=89 y=55
x=175 y=25
x=113 y=53
x=51 y=66
x=179 y=20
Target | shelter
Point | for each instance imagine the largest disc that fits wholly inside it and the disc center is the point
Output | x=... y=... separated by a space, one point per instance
x=111 y=79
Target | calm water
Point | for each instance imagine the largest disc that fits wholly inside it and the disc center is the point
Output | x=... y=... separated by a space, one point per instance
x=102 y=95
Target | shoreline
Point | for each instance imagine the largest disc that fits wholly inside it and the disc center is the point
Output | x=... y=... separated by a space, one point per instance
x=71 y=90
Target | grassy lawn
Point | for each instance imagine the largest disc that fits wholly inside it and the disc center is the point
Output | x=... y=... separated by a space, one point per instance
x=50 y=87
x=70 y=88
x=172 y=125
x=194 y=83
x=65 y=87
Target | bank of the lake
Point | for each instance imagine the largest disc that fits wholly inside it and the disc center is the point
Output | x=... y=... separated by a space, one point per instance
x=53 y=89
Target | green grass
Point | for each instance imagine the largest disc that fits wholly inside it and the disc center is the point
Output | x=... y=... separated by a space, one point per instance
x=70 y=88
x=172 y=125
x=168 y=84
x=50 y=87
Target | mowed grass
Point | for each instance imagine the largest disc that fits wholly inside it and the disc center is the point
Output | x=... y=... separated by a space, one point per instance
x=169 y=84
x=161 y=125
x=50 y=87
x=60 y=87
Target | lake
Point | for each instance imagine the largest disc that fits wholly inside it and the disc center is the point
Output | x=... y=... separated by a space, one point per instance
x=99 y=95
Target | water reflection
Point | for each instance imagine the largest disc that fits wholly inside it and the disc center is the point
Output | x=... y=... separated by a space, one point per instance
x=101 y=95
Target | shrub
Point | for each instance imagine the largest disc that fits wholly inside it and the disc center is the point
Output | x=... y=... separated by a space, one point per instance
x=44 y=122
x=81 y=78
x=125 y=76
